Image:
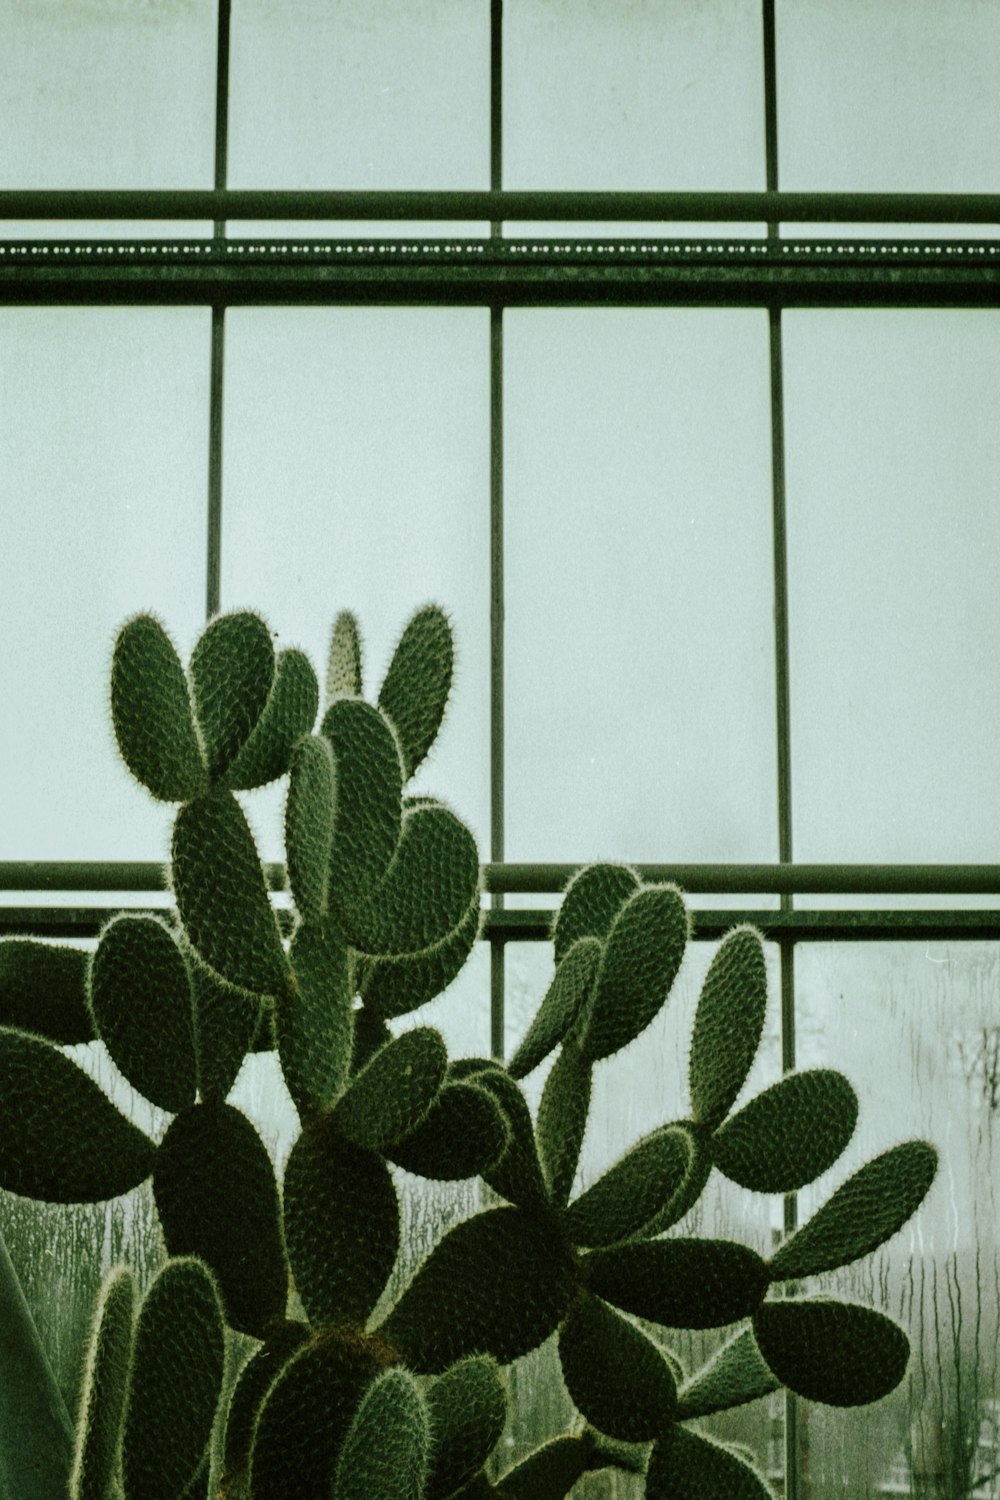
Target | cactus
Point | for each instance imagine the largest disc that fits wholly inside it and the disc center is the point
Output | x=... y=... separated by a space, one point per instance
x=401 y=1396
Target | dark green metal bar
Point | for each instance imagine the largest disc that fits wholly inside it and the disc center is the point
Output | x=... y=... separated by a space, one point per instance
x=703 y=879
x=213 y=550
x=722 y=207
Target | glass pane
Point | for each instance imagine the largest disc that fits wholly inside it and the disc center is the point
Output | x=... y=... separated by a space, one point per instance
x=365 y=93
x=103 y=444
x=894 y=512
x=603 y=95
x=357 y=477
x=933 y=1012
x=891 y=97
x=107 y=93
x=638 y=1089
x=639 y=669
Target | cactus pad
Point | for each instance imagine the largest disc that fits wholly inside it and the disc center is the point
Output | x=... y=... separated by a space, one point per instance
x=217 y=1198
x=394 y=1091
x=497 y=1284
x=834 y=1352
x=632 y=1191
x=592 y=901
x=562 y=1119
x=313 y=1020
x=105 y=1386
x=416 y=687
x=550 y=1472
x=43 y=988
x=310 y=812
x=152 y=713
x=140 y=997
x=341 y=1221
x=681 y=1283
x=384 y=1454
x=862 y=1214
x=789 y=1134
x=289 y=713
x=565 y=996
x=344 y=660
x=177 y=1368
x=728 y=1024
x=690 y=1466
x=369 y=799
x=463 y=1133
x=734 y=1375
x=222 y=896
x=225 y=1025
x=232 y=669
x=61 y=1138
x=693 y=1185
x=468 y=1412
x=615 y=1374
x=517 y=1175
x=397 y=986
x=255 y=1380
x=643 y=953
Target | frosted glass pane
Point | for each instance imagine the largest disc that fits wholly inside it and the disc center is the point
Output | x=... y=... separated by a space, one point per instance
x=639 y=669
x=885 y=95
x=635 y=1091
x=357 y=477
x=103 y=444
x=598 y=94
x=893 y=451
x=933 y=1013
x=364 y=93
x=107 y=93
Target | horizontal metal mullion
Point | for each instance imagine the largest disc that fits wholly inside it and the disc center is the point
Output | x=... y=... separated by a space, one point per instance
x=701 y=878
x=502 y=206
x=509 y=926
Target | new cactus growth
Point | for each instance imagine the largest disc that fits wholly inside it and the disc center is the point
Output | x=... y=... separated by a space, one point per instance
x=406 y=1401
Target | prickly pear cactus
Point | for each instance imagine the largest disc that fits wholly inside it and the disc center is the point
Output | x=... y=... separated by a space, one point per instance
x=347 y=1393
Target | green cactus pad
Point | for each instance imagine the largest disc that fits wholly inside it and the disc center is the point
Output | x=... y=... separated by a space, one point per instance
x=564 y=997
x=834 y=1352
x=231 y=672
x=341 y=1221
x=549 y=1473
x=370 y=1034
x=498 y=1284
x=61 y=1138
x=592 y=901
x=344 y=661
x=306 y=1415
x=313 y=1020
x=643 y=953
x=43 y=988
x=728 y=1025
x=397 y=986
x=222 y=895
x=789 y=1134
x=615 y=1374
x=217 y=1198
x=862 y=1214
x=632 y=1191
x=369 y=799
x=385 y=1452
x=428 y=890
x=463 y=1133
x=394 y=1090
x=693 y=1184
x=289 y=713
x=177 y=1368
x=225 y=1025
x=468 y=1411
x=517 y=1175
x=255 y=1380
x=140 y=998
x=152 y=713
x=734 y=1375
x=416 y=687
x=562 y=1120
x=682 y=1283
x=105 y=1386
x=310 y=813
x=689 y=1466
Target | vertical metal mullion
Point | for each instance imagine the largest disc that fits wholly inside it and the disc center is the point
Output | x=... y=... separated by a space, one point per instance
x=214 y=539
x=497 y=983
x=794 y=1477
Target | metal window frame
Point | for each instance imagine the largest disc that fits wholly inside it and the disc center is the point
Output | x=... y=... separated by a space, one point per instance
x=498 y=272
